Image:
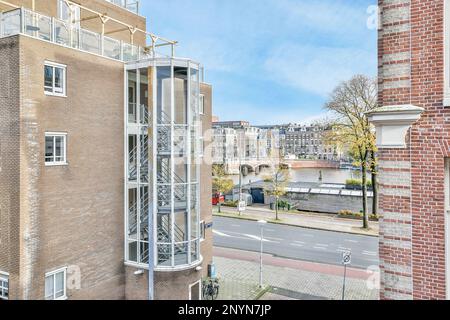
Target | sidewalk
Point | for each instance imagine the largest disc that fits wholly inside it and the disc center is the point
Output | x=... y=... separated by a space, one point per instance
x=302 y=219
x=286 y=279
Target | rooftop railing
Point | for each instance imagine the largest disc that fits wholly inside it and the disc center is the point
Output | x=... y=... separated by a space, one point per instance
x=36 y=25
x=131 y=5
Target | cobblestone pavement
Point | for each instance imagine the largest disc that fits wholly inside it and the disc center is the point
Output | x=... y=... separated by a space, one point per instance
x=239 y=281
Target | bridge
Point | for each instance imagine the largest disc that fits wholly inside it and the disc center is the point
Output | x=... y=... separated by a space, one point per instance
x=249 y=166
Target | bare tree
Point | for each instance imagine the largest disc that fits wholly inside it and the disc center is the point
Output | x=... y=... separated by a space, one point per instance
x=350 y=101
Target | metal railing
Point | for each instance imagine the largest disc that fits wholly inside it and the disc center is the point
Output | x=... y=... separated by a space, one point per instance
x=39 y=26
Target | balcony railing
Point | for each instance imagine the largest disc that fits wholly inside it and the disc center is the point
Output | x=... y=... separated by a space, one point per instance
x=131 y=5
x=36 y=25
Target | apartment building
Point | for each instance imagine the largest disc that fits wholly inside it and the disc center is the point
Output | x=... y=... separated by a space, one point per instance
x=103 y=191
x=307 y=142
x=238 y=141
x=413 y=135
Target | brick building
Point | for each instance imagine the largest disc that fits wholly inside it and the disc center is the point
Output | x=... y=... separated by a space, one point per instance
x=413 y=126
x=103 y=191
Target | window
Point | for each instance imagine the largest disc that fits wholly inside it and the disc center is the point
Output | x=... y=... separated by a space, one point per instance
x=55 y=149
x=202 y=104
x=202 y=231
x=4 y=286
x=55 y=285
x=65 y=11
x=54 y=79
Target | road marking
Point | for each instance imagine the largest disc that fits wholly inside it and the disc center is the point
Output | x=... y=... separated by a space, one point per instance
x=269 y=230
x=352 y=241
x=369 y=253
x=221 y=234
x=300 y=242
x=321 y=245
x=236 y=225
x=275 y=239
x=320 y=248
x=308 y=235
x=296 y=245
x=256 y=238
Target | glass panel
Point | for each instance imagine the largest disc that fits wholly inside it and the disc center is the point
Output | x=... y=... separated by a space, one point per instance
x=144 y=96
x=195 y=251
x=181 y=254
x=132 y=96
x=49 y=287
x=90 y=41
x=181 y=227
x=49 y=156
x=144 y=214
x=11 y=23
x=62 y=33
x=45 y=27
x=48 y=78
x=180 y=83
x=132 y=251
x=59 y=78
x=164 y=95
x=165 y=255
x=194 y=223
x=59 y=149
x=164 y=228
x=194 y=95
x=144 y=158
x=132 y=214
x=144 y=252
x=180 y=140
x=59 y=285
x=111 y=48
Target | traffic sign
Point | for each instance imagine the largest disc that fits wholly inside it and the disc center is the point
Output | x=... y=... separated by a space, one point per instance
x=346 y=258
x=242 y=205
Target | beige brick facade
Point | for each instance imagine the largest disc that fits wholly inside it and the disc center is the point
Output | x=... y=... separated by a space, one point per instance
x=72 y=216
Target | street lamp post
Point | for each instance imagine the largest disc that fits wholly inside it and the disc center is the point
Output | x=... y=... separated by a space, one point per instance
x=262 y=223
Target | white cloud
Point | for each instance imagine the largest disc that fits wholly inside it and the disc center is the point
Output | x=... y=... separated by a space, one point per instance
x=317 y=69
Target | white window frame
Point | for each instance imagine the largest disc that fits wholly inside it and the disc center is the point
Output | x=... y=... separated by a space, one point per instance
x=54 y=135
x=447 y=226
x=202 y=231
x=53 y=274
x=446 y=100
x=4 y=276
x=199 y=283
x=202 y=104
x=54 y=91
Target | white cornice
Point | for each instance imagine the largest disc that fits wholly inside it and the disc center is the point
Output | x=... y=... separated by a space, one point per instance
x=393 y=122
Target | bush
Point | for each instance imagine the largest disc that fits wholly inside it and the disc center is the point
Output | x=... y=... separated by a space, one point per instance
x=345 y=213
x=232 y=204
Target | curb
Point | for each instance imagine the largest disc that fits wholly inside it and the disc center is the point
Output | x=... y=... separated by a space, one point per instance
x=222 y=215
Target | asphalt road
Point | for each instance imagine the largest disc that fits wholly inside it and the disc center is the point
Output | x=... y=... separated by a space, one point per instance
x=296 y=243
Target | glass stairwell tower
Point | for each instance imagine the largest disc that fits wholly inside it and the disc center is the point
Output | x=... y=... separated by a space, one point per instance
x=163 y=164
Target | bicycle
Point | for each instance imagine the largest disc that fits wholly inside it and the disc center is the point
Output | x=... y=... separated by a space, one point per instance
x=210 y=289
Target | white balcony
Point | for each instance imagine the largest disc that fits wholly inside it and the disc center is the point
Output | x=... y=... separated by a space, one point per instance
x=39 y=26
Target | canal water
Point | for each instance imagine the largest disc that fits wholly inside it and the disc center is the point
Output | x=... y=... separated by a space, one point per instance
x=306 y=175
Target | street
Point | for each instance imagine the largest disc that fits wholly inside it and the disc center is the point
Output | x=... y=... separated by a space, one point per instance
x=296 y=243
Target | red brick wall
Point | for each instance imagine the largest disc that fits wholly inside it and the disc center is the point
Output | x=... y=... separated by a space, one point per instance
x=422 y=38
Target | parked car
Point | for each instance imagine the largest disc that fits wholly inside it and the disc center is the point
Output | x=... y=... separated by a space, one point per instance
x=218 y=198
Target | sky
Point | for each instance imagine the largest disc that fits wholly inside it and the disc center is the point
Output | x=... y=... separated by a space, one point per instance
x=270 y=61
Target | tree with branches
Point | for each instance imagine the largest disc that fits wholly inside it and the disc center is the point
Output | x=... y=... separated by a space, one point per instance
x=277 y=180
x=349 y=102
x=221 y=183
